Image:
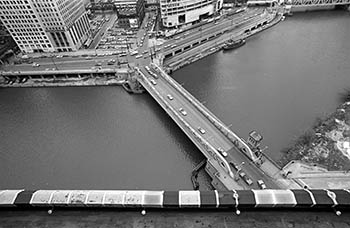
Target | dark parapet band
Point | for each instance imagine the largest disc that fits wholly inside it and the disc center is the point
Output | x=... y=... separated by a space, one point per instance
x=268 y=198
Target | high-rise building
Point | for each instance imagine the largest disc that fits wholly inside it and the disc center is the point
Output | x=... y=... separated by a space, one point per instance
x=180 y=12
x=46 y=25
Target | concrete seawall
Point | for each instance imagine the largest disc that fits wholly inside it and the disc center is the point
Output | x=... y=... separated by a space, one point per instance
x=248 y=199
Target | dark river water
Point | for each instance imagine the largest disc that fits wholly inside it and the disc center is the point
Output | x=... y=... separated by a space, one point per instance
x=105 y=138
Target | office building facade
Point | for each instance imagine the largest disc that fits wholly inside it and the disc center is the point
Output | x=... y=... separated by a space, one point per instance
x=46 y=25
x=130 y=12
x=179 y=12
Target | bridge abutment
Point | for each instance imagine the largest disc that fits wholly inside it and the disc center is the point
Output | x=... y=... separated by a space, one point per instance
x=132 y=85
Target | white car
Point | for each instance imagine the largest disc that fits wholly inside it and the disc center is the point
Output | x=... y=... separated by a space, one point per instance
x=174 y=45
x=134 y=53
x=183 y=112
x=153 y=82
x=138 y=56
x=261 y=184
x=147 y=68
x=36 y=65
x=170 y=97
x=201 y=130
x=222 y=152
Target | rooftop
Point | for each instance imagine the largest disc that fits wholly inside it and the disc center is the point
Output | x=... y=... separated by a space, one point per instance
x=190 y=218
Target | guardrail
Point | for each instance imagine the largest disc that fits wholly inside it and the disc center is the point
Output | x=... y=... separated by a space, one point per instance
x=203 y=142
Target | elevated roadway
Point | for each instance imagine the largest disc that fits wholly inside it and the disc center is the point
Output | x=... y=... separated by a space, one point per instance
x=241 y=30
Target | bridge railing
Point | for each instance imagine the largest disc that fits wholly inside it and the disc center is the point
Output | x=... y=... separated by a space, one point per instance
x=319 y=2
x=237 y=141
x=203 y=142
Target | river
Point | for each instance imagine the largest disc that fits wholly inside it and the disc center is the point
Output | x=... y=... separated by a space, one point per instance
x=105 y=138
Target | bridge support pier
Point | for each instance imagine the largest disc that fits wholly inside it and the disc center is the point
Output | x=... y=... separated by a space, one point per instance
x=132 y=85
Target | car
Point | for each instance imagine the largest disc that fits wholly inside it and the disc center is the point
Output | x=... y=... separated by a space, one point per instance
x=59 y=56
x=111 y=62
x=174 y=45
x=201 y=130
x=176 y=38
x=138 y=56
x=98 y=64
x=147 y=68
x=35 y=64
x=153 y=82
x=88 y=57
x=245 y=178
x=261 y=184
x=170 y=97
x=145 y=52
x=23 y=80
x=154 y=75
x=242 y=174
x=222 y=152
x=134 y=53
x=233 y=165
x=183 y=112
x=248 y=180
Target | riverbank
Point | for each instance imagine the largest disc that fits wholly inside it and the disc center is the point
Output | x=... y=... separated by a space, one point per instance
x=173 y=65
x=60 y=82
x=327 y=143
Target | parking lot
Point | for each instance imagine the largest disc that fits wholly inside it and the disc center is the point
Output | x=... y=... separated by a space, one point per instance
x=118 y=38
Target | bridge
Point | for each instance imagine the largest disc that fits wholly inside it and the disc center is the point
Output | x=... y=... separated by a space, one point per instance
x=224 y=150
